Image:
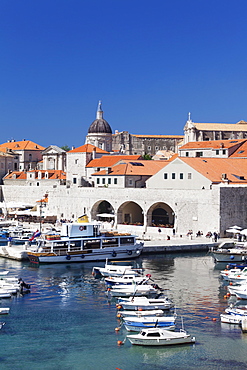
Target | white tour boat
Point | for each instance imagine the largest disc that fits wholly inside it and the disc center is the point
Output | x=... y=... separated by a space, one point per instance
x=83 y=242
x=160 y=337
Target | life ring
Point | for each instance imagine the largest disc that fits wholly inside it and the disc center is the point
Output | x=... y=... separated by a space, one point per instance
x=68 y=257
x=114 y=254
x=129 y=252
x=81 y=228
x=82 y=256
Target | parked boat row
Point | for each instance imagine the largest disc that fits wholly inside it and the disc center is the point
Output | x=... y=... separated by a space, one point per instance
x=141 y=306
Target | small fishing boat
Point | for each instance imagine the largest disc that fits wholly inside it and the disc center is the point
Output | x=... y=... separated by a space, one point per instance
x=139 y=290
x=236 y=310
x=145 y=303
x=139 y=313
x=160 y=337
x=231 y=319
x=138 y=323
x=112 y=270
x=125 y=279
x=4 y=310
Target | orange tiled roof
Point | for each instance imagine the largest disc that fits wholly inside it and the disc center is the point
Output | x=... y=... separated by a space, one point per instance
x=108 y=161
x=22 y=175
x=213 y=168
x=134 y=168
x=21 y=145
x=241 y=151
x=214 y=144
x=87 y=148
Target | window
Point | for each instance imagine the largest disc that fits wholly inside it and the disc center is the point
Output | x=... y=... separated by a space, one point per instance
x=98 y=169
x=74 y=180
x=173 y=176
x=97 y=181
x=115 y=181
x=109 y=180
x=130 y=182
x=187 y=154
x=217 y=152
x=165 y=176
x=76 y=161
x=149 y=147
x=199 y=154
x=157 y=148
x=37 y=183
x=181 y=176
x=189 y=176
x=223 y=151
x=103 y=181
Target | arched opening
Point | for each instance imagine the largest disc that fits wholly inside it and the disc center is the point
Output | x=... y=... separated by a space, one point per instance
x=130 y=213
x=101 y=207
x=160 y=215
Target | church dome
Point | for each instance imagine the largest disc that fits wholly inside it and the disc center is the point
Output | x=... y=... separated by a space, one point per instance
x=100 y=126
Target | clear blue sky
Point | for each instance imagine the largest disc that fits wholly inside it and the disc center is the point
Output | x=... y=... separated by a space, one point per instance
x=150 y=62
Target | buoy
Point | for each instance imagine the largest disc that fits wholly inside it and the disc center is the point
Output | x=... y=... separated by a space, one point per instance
x=108 y=289
x=230 y=283
x=119 y=342
x=206 y=317
x=117 y=329
x=225 y=296
x=119 y=306
x=118 y=315
x=228 y=294
x=214 y=319
x=139 y=309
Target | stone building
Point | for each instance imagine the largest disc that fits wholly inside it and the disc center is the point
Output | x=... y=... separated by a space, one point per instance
x=214 y=131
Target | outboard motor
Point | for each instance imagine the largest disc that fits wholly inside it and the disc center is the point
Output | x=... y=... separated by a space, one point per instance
x=24 y=285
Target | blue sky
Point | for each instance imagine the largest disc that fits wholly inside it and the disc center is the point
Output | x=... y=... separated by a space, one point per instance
x=150 y=62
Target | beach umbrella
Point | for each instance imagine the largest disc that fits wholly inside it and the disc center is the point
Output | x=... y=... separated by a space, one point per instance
x=243 y=232
x=233 y=231
x=235 y=227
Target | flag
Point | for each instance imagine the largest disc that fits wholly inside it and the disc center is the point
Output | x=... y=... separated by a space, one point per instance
x=35 y=235
x=83 y=218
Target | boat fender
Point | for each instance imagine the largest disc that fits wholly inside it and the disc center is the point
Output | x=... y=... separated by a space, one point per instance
x=82 y=256
x=129 y=252
x=232 y=257
x=114 y=254
x=68 y=257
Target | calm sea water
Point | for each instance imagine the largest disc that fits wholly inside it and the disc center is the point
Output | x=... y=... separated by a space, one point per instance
x=67 y=322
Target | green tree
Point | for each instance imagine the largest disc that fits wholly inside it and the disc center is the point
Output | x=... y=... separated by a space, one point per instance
x=65 y=147
x=147 y=157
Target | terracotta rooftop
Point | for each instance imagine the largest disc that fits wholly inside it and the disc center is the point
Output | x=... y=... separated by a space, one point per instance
x=134 y=168
x=213 y=168
x=22 y=175
x=87 y=148
x=108 y=161
x=213 y=144
x=241 y=152
x=21 y=145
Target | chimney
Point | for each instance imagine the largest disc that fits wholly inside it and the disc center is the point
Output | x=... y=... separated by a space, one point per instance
x=224 y=177
x=109 y=170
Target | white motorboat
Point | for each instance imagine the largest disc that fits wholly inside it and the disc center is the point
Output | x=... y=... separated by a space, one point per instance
x=160 y=337
x=236 y=310
x=226 y=274
x=236 y=254
x=140 y=313
x=4 y=293
x=111 y=270
x=3 y=273
x=133 y=290
x=4 y=310
x=138 y=323
x=231 y=319
x=145 y=303
x=232 y=289
x=84 y=242
x=125 y=279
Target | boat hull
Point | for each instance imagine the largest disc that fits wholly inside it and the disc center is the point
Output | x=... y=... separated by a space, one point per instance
x=228 y=256
x=140 y=326
x=160 y=341
x=80 y=256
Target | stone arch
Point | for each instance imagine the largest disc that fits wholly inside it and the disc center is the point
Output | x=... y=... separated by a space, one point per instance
x=130 y=213
x=160 y=215
x=102 y=206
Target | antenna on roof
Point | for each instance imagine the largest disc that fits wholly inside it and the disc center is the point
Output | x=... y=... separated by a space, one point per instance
x=189 y=116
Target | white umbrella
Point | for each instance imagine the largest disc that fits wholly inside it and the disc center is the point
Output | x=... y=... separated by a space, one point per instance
x=235 y=227
x=106 y=215
x=243 y=232
x=233 y=231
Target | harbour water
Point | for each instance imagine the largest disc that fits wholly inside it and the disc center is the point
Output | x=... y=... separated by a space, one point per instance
x=67 y=321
